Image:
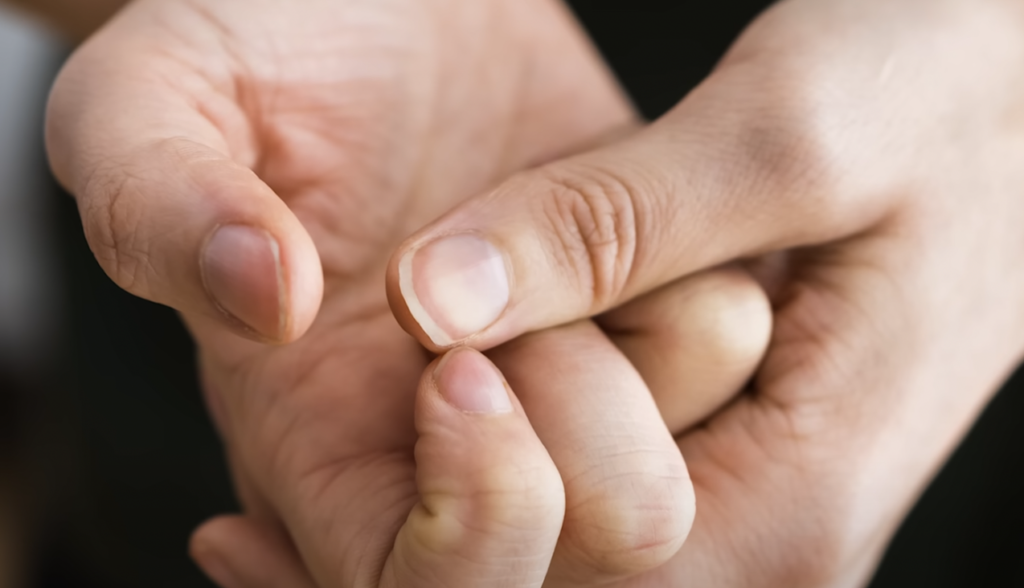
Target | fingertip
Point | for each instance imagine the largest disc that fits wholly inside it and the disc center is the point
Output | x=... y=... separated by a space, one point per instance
x=243 y=274
x=259 y=267
x=265 y=287
x=238 y=551
x=206 y=550
x=178 y=223
x=305 y=284
x=455 y=286
x=471 y=383
x=399 y=306
x=447 y=290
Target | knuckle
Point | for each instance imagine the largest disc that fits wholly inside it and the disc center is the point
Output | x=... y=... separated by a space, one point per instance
x=630 y=523
x=592 y=221
x=522 y=496
x=727 y=320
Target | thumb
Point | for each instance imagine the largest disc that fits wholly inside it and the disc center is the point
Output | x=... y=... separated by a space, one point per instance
x=706 y=184
x=491 y=499
x=169 y=214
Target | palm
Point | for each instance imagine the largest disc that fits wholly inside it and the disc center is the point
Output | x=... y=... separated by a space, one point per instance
x=367 y=119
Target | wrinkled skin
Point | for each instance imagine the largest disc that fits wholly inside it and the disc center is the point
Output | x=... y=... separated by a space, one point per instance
x=340 y=127
x=865 y=158
x=874 y=146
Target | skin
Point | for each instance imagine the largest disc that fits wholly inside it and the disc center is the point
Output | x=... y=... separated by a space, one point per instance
x=856 y=154
x=864 y=157
x=337 y=128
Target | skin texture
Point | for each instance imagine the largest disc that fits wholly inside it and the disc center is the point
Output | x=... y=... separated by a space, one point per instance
x=334 y=129
x=864 y=158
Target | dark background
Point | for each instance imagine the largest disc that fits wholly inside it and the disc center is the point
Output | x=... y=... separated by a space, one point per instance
x=122 y=462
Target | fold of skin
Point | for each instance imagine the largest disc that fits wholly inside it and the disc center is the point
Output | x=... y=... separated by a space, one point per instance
x=876 y=144
x=872 y=149
x=367 y=119
x=421 y=107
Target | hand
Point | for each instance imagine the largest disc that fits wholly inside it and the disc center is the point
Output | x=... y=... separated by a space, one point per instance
x=865 y=156
x=227 y=155
x=695 y=342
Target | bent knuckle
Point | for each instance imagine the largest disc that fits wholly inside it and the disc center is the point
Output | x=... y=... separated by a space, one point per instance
x=591 y=219
x=727 y=320
x=630 y=523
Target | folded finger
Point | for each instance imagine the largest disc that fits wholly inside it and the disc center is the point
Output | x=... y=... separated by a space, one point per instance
x=629 y=500
x=696 y=342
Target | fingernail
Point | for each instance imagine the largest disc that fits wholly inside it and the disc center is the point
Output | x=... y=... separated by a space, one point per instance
x=471 y=383
x=454 y=287
x=216 y=569
x=241 y=269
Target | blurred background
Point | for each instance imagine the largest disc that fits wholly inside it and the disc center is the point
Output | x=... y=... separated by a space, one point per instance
x=107 y=458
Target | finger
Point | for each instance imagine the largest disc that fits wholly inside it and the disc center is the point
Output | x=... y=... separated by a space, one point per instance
x=491 y=501
x=479 y=502
x=629 y=501
x=170 y=206
x=779 y=486
x=703 y=186
x=242 y=552
x=696 y=342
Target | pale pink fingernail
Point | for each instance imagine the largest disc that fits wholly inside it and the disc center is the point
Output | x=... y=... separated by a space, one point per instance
x=454 y=287
x=471 y=383
x=241 y=269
